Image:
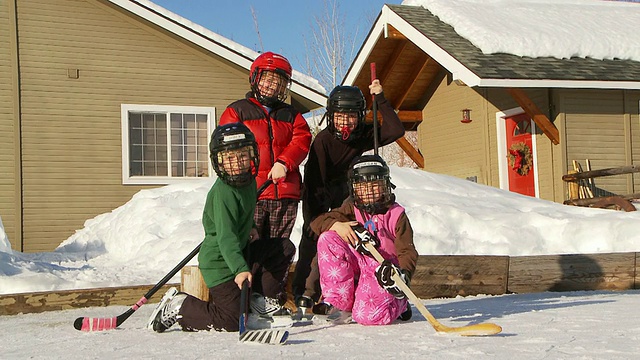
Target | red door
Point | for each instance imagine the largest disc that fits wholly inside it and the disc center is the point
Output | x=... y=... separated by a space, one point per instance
x=520 y=155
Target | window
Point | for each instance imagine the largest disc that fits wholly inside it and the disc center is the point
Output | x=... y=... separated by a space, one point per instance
x=163 y=144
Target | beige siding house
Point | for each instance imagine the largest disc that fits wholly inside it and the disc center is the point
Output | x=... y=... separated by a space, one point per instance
x=546 y=111
x=102 y=98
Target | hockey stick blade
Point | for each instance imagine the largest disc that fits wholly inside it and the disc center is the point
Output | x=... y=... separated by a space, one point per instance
x=267 y=336
x=468 y=330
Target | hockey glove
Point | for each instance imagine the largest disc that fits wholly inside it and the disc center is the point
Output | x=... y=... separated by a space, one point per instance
x=384 y=274
x=364 y=237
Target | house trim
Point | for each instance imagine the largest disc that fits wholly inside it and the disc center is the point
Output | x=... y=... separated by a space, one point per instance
x=456 y=68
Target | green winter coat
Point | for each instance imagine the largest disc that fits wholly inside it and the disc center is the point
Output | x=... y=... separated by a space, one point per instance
x=227 y=221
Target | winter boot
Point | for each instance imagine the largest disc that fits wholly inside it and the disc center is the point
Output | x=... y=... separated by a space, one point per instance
x=166 y=313
x=302 y=304
x=327 y=313
x=267 y=313
x=406 y=315
x=266 y=306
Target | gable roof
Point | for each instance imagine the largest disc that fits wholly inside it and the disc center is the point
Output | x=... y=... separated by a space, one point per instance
x=301 y=85
x=468 y=64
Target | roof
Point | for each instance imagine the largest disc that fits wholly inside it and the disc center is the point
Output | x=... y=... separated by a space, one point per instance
x=306 y=91
x=470 y=65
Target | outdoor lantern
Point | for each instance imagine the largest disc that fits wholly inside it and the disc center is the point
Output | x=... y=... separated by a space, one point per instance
x=466 y=116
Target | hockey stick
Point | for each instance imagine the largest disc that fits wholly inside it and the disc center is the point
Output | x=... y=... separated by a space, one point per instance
x=99 y=324
x=468 y=330
x=374 y=107
x=266 y=336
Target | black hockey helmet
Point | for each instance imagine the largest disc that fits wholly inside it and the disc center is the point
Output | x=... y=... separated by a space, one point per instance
x=234 y=137
x=347 y=99
x=370 y=169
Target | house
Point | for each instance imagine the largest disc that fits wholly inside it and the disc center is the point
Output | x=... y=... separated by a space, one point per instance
x=102 y=98
x=503 y=120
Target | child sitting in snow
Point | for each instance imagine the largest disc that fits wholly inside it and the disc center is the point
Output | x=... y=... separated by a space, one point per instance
x=229 y=233
x=353 y=283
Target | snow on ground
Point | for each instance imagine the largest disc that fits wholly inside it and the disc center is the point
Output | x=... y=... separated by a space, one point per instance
x=572 y=325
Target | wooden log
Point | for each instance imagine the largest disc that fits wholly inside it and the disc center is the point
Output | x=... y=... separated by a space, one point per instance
x=192 y=282
x=450 y=276
x=37 y=302
x=574 y=188
x=619 y=200
x=601 y=172
x=614 y=271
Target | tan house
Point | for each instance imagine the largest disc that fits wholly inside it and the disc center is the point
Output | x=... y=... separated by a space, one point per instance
x=503 y=120
x=102 y=98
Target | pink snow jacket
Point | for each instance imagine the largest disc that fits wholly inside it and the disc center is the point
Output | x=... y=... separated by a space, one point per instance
x=396 y=239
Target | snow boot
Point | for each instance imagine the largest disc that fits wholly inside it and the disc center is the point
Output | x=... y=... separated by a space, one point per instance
x=167 y=312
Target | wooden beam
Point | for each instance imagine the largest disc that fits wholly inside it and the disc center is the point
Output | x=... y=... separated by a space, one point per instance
x=620 y=201
x=411 y=151
x=411 y=80
x=543 y=122
x=393 y=33
x=391 y=63
x=37 y=302
x=601 y=172
x=404 y=115
x=388 y=66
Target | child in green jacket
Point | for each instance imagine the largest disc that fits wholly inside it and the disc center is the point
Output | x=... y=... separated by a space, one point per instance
x=229 y=229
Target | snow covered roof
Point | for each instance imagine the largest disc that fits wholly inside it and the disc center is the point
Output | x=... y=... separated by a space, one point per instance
x=302 y=84
x=520 y=43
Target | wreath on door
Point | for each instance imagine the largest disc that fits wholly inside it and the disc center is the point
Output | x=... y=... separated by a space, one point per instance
x=520 y=158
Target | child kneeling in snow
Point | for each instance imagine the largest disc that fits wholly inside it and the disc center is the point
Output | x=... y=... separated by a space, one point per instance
x=229 y=233
x=353 y=283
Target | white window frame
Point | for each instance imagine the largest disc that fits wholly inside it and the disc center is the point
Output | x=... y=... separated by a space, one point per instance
x=127 y=179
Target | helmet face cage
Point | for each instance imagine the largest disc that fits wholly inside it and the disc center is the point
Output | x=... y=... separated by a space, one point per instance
x=234 y=154
x=370 y=184
x=275 y=72
x=275 y=88
x=346 y=99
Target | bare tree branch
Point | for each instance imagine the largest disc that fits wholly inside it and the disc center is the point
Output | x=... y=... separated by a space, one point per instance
x=331 y=47
x=255 y=24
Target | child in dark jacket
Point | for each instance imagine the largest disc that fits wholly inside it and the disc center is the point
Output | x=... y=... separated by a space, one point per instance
x=230 y=235
x=353 y=283
x=325 y=176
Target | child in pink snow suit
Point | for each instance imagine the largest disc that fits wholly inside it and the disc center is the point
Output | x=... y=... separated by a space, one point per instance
x=352 y=280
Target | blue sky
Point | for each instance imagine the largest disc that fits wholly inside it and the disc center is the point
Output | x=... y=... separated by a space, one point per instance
x=283 y=24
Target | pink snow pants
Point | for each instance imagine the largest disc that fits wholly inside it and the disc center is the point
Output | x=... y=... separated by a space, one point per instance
x=349 y=283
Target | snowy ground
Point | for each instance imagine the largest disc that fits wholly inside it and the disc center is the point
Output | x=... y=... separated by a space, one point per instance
x=141 y=241
x=574 y=325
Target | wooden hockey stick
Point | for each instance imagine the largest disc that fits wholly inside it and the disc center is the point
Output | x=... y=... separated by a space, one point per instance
x=84 y=323
x=468 y=330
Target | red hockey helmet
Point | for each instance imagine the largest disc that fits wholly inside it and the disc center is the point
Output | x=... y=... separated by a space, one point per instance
x=274 y=63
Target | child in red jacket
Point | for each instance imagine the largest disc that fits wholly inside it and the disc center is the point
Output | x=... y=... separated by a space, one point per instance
x=283 y=139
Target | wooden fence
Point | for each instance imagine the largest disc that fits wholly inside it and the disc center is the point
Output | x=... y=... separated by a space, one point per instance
x=435 y=276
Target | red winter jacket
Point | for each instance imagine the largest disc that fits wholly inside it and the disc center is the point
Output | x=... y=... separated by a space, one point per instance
x=282 y=135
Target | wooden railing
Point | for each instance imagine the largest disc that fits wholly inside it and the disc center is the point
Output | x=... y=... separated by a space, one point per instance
x=583 y=192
